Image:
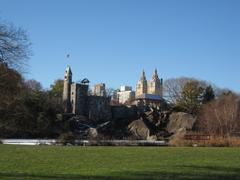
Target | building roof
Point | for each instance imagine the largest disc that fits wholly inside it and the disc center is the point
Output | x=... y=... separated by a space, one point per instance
x=149 y=96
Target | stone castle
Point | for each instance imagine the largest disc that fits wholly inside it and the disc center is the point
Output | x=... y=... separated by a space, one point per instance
x=97 y=106
x=77 y=100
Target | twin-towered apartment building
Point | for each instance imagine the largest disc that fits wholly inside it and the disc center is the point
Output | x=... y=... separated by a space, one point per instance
x=146 y=91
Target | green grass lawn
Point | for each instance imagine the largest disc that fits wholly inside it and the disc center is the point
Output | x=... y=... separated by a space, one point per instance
x=56 y=162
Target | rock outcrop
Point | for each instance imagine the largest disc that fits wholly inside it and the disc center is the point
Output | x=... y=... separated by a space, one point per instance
x=152 y=124
x=139 y=129
x=180 y=120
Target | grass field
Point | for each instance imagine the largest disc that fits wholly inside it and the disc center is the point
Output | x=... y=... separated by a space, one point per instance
x=51 y=162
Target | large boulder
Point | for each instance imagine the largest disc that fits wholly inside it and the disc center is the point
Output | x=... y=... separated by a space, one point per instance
x=139 y=129
x=157 y=118
x=91 y=133
x=180 y=120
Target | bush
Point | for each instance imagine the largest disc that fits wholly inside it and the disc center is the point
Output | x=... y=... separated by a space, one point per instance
x=220 y=117
x=66 y=139
x=180 y=142
x=224 y=142
x=215 y=141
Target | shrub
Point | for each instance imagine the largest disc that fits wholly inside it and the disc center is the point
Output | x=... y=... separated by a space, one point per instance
x=67 y=138
x=215 y=141
x=220 y=117
x=180 y=142
x=224 y=142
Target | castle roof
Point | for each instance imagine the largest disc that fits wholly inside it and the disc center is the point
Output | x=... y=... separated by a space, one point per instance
x=68 y=70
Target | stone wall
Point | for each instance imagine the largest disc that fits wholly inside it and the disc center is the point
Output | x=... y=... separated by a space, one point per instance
x=124 y=112
x=99 y=109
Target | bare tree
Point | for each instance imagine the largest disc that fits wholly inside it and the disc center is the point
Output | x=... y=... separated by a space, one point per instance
x=173 y=87
x=221 y=116
x=109 y=92
x=14 y=46
x=33 y=85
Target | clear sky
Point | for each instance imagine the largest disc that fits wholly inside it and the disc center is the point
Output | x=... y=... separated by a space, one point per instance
x=111 y=41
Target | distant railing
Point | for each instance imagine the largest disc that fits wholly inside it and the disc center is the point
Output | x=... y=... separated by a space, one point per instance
x=86 y=142
x=122 y=143
x=29 y=141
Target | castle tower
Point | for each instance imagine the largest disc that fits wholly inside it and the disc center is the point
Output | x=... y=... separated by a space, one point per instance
x=155 y=85
x=142 y=86
x=67 y=90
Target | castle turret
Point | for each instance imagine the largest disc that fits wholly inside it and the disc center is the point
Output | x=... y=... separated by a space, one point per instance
x=142 y=86
x=67 y=90
x=155 y=85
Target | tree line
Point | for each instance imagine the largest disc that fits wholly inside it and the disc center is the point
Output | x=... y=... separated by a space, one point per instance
x=217 y=110
x=26 y=109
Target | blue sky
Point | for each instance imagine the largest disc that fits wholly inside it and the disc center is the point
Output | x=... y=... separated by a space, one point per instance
x=111 y=41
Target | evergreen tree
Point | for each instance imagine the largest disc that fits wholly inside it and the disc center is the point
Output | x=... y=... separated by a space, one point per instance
x=208 y=95
x=191 y=97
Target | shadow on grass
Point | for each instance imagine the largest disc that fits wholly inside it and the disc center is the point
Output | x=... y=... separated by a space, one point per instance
x=194 y=172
